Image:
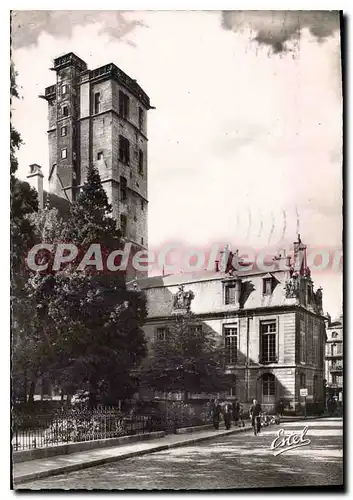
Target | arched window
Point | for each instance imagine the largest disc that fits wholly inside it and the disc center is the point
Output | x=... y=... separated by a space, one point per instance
x=268 y=388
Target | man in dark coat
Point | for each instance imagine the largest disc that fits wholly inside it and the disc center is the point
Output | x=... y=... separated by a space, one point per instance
x=255 y=410
x=227 y=414
x=237 y=411
x=216 y=413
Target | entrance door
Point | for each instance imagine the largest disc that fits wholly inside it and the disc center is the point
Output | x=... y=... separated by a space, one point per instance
x=268 y=383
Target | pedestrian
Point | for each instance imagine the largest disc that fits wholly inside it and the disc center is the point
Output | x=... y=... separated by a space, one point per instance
x=255 y=411
x=216 y=413
x=237 y=411
x=227 y=414
x=280 y=408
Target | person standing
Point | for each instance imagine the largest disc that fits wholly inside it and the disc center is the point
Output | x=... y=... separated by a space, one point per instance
x=255 y=411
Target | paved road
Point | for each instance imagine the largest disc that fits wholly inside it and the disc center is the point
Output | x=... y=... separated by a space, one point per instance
x=236 y=461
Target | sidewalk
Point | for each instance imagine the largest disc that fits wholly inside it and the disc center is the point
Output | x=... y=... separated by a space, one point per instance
x=45 y=467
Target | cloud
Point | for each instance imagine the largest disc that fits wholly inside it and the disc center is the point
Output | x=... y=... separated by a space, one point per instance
x=276 y=28
x=27 y=26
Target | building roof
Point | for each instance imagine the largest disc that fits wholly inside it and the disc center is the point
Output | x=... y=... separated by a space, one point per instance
x=191 y=277
x=52 y=200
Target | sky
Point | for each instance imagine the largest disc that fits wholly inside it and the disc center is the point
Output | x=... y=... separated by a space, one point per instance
x=245 y=143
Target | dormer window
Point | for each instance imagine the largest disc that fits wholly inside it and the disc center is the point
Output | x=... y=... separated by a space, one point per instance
x=229 y=293
x=268 y=284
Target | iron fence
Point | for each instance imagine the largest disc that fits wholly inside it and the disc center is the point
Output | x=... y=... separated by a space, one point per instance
x=36 y=429
x=31 y=431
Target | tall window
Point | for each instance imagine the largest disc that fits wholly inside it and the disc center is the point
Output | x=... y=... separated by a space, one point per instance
x=100 y=155
x=140 y=162
x=97 y=102
x=140 y=118
x=268 y=388
x=161 y=333
x=302 y=381
x=231 y=344
x=142 y=204
x=229 y=294
x=63 y=131
x=123 y=224
x=65 y=110
x=64 y=154
x=268 y=334
x=124 y=150
x=63 y=89
x=302 y=339
x=124 y=104
x=123 y=189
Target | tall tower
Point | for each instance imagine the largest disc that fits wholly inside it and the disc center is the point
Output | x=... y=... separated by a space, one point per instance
x=99 y=117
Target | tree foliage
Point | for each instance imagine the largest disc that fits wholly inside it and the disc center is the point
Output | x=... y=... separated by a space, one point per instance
x=188 y=360
x=91 y=322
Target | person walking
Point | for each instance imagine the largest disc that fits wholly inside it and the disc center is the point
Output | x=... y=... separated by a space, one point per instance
x=237 y=411
x=227 y=414
x=216 y=413
x=254 y=412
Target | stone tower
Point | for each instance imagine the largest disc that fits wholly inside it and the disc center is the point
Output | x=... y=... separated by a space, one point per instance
x=99 y=117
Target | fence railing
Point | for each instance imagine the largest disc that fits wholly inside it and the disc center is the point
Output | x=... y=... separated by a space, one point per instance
x=37 y=431
x=71 y=425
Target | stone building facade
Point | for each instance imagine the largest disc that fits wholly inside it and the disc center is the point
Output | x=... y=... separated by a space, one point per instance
x=271 y=325
x=99 y=117
x=334 y=358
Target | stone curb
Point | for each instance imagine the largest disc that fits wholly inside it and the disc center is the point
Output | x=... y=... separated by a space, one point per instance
x=101 y=461
x=67 y=449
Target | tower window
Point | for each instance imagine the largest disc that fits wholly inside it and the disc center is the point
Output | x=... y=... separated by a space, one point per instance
x=97 y=102
x=140 y=162
x=64 y=154
x=123 y=223
x=65 y=111
x=141 y=240
x=123 y=189
x=268 y=335
x=140 y=118
x=63 y=131
x=63 y=89
x=124 y=104
x=124 y=150
x=142 y=205
x=100 y=155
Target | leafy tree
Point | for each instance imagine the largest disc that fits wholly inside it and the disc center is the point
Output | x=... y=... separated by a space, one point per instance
x=33 y=350
x=187 y=360
x=23 y=201
x=98 y=337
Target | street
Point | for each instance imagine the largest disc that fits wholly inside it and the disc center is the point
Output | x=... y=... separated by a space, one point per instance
x=232 y=462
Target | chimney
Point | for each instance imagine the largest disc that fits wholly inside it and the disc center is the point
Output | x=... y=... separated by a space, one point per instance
x=35 y=178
